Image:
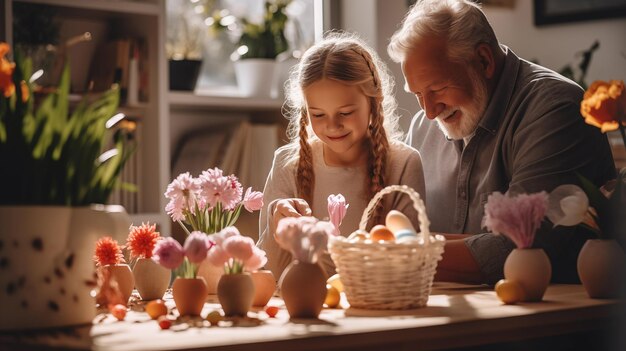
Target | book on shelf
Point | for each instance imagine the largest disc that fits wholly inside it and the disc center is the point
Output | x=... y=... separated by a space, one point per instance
x=123 y=61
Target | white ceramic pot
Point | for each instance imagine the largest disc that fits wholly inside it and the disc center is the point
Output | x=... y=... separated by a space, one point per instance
x=255 y=77
x=151 y=279
x=46 y=264
x=530 y=268
x=601 y=267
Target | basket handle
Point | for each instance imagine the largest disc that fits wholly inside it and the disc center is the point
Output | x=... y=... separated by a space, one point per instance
x=418 y=204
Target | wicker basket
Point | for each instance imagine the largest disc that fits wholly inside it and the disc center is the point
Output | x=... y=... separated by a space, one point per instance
x=389 y=275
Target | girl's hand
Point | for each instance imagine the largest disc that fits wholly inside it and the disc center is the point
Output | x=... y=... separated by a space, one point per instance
x=289 y=208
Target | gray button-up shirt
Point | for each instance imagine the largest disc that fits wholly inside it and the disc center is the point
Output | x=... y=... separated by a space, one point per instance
x=532 y=137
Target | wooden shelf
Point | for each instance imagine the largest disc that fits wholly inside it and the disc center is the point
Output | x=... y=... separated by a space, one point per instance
x=224 y=97
x=122 y=6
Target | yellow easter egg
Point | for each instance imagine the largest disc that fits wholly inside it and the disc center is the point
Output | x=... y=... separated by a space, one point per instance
x=509 y=292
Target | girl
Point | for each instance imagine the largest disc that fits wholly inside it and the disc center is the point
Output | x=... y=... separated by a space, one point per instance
x=344 y=139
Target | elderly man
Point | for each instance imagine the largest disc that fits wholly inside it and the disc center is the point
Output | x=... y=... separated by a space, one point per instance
x=490 y=121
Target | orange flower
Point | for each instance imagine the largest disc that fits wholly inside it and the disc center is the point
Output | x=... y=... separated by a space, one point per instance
x=604 y=105
x=25 y=91
x=108 y=252
x=141 y=240
x=6 y=72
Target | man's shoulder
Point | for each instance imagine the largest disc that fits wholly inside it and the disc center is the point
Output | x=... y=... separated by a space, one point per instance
x=536 y=81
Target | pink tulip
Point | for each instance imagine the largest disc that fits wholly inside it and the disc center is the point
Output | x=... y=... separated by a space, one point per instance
x=336 y=210
x=225 y=234
x=253 y=200
x=196 y=247
x=239 y=247
x=256 y=261
x=168 y=253
x=217 y=256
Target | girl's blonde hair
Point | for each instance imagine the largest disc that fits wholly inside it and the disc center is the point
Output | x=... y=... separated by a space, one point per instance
x=346 y=59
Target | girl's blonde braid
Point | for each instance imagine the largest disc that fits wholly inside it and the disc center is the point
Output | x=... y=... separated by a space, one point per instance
x=305 y=178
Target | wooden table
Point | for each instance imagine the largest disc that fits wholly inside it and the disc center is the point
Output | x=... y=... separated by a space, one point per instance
x=456 y=316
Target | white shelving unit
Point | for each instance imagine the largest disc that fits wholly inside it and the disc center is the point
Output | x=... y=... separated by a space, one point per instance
x=107 y=20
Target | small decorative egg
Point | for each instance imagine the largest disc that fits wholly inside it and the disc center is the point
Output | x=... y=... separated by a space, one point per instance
x=357 y=236
x=400 y=225
x=509 y=291
x=405 y=235
x=380 y=232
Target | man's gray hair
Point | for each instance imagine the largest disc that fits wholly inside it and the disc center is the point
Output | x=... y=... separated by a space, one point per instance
x=461 y=22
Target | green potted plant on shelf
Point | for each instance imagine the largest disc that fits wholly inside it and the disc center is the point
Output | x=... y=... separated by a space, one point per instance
x=184 y=44
x=258 y=47
x=53 y=171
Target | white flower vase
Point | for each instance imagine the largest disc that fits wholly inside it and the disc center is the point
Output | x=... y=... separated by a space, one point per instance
x=601 y=267
x=255 y=77
x=530 y=268
x=46 y=264
x=151 y=279
x=211 y=275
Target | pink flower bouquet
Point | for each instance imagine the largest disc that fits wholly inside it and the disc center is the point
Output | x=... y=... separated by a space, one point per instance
x=237 y=253
x=516 y=217
x=210 y=202
x=305 y=237
x=183 y=260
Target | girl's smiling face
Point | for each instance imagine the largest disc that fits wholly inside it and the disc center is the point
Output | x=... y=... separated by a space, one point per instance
x=339 y=115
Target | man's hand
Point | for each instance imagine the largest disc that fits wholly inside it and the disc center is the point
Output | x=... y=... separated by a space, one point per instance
x=289 y=208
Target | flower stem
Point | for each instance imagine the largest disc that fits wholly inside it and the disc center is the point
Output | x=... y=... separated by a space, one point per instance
x=184 y=228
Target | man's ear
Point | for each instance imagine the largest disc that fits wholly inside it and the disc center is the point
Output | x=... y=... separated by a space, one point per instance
x=486 y=60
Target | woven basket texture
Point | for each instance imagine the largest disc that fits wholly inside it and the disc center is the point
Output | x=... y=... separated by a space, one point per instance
x=389 y=275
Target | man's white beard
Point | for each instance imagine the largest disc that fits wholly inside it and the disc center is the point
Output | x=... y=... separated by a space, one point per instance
x=466 y=124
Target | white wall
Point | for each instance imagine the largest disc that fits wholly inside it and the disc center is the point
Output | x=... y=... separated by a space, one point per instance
x=553 y=46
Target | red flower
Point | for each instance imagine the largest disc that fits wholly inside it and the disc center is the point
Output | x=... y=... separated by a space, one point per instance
x=108 y=252
x=141 y=240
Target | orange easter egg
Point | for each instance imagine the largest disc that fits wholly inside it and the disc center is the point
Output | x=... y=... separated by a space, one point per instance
x=380 y=232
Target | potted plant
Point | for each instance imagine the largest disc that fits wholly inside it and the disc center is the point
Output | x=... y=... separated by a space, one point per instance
x=258 y=47
x=238 y=256
x=151 y=279
x=188 y=290
x=209 y=203
x=54 y=169
x=184 y=45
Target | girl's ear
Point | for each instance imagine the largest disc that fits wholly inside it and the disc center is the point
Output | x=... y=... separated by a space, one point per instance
x=486 y=60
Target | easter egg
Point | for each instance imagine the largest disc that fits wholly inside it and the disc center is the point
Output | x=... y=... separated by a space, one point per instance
x=335 y=281
x=271 y=311
x=405 y=235
x=164 y=322
x=214 y=317
x=156 y=309
x=118 y=311
x=397 y=220
x=380 y=232
x=357 y=236
x=509 y=291
x=332 y=296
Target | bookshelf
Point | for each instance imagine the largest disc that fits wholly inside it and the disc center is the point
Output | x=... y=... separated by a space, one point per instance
x=108 y=20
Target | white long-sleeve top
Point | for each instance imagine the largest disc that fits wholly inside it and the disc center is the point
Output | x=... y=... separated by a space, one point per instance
x=404 y=167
